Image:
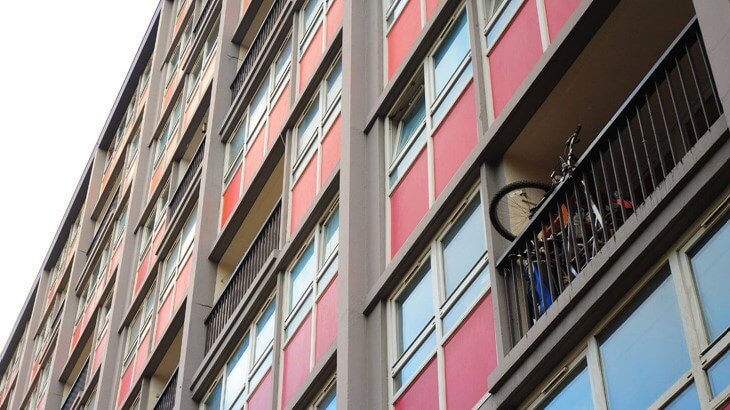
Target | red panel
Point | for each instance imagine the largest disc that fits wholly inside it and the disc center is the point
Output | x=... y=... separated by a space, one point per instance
x=470 y=355
x=514 y=55
x=183 y=281
x=254 y=157
x=558 y=12
x=278 y=115
x=403 y=34
x=296 y=360
x=261 y=397
x=334 y=19
x=142 y=352
x=408 y=202
x=326 y=320
x=431 y=7
x=310 y=59
x=100 y=350
x=455 y=137
x=303 y=193
x=423 y=393
x=125 y=383
x=142 y=271
x=231 y=195
x=331 y=149
x=163 y=316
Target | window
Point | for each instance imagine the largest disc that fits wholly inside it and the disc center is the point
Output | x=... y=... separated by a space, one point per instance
x=139 y=325
x=248 y=364
x=573 y=393
x=328 y=399
x=132 y=150
x=282 y=64
x=154 y=220
x=312 y=271
x=408 y=140
x=499 y=14
x=452 y=53
x=104 y=316
x=171 y=66
x=119 y=224
x=393 y=9
x=307 y=129
x=210 y=43
x=178 y=254
x=333 y=85
x=234 y=148
x=257 y=110
x=425 y=317
x=167 y=132
x=194 y=77
x=309 y=14
x=146 y=76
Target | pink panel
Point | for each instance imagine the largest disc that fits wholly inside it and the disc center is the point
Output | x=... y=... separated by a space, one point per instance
x=331 y=149
x=403 y=34
x=326 y=320
x=470 y=355
x=254 y=157
x=115 y=258
x=303 y=193
x=142 y=271
x=163 y=316
x=157 y=240
x=431 y=7
x=231 y=195
x=296 y=360
x=142 y=353
x=75 y=336
x=125 y=383
x=182 y=283
x=423 y=393
x=278 y=114
x=334 y=19
x=310 y=59
x=455 y=137
x=558 y=12
x=261 y=397
x=100 y=350
x=514 y=55
x=408 y=202
x=42 y=402
x=156 y=175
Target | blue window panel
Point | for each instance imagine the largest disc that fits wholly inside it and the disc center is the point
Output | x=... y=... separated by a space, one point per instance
x=415 y=308
x=574 y=394
x=464 y=246
x=302 y=275
x=451 y=53
x=687 y=400
x=329 y=402
x=214 y=400
x=236 y=374
x=719 y=374
x=414 y=363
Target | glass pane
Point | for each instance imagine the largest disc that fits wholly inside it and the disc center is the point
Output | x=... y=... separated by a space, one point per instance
x=282 y=61
x=453 y=94
x=719 y=374
x=687 y=400
x=408 y=158
x=302 y=275
x=710 y=266
x=574 y=393
x=501 y=22
x=410 y=124
x=330 y=401
x=466 y=300
x=451 y=53
x=334 y=83
x=299 y=316
x=236 y=373
x=258 y=107
x=307 y=127
x=309 y=12
x=264 y=331
x=261 y=371
x=235 y=144
x=415 y=308
x=214 y=400
x=463 y=246
x=414 y=363
x=644 y=353
x=189 y=230
x=331 y=234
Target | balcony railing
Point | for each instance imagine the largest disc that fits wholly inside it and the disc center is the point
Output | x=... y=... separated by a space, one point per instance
x=665 y=116
x=266 y=242
x=77 y=388
x=187 y=179
x=167 y=397
x=257 y=47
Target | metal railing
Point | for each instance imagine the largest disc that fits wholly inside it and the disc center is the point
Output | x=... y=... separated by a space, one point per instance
x=195 y=164
x=665 y=116
x=77 y=388
x=257 y=46
x=203 y=13
x=266 y=242
x=166 y=401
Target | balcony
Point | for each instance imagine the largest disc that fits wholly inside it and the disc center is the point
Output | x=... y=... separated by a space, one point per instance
x=167 y=397
x=259 y=44
x=187 y=181
x=672 y=108
x=254 y=259
x=77 y=389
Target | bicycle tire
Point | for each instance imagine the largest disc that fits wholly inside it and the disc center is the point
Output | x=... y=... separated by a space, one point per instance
x=502 y=227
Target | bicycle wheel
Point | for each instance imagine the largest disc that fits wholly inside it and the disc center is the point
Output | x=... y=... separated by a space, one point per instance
x=511 y=207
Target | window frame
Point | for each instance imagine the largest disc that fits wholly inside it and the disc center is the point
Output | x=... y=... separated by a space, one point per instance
x=183 y=251
x=306 y=32
x=172 y=126
x=144 y=315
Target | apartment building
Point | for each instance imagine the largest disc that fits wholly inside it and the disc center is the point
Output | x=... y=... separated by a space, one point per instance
x=320 y=204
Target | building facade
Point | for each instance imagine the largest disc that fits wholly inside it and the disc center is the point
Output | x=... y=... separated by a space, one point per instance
x=295 y=204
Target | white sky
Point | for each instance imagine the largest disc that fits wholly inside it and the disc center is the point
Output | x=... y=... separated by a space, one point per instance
x=62 y=65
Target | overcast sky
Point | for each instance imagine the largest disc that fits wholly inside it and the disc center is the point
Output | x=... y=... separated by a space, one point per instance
x=63 y=63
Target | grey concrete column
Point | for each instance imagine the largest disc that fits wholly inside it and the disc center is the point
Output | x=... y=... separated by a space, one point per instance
x=202 y=282
x=714 y=19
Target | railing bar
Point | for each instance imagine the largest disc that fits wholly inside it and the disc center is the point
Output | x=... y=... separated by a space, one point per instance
x=666 y=126
x=654 y=181
x=571 y=233
x=676 y=113
x=563 y=240
x=690 y=114
x=589 y=210
x=579 y=211
x=697 y=85
x=705 y=63
x=539 y=263
x=656 y=137
x=600 y=202
x=625 y=167
x=618 y=186
x=533 y=292
x=636 y=160
x=556 y=254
